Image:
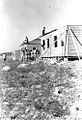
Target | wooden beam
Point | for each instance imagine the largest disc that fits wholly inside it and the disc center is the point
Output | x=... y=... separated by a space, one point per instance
x=76 y=37
x=65 y=48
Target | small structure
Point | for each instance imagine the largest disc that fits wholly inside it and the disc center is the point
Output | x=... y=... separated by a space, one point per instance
x=6 y=68
x=17 y=55
x=62 y=43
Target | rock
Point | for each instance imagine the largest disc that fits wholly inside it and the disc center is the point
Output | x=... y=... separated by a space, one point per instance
x=5 y=118
x=36 y=114
x=77 y=108
x=33 y=62
x=56 y=91
x=6 y=68
x=59 y=91
x=52 y=61
x=27 y=110
x=42 y=72
x=38 y=86
x=22 y=66
x=14 y=112
x=39 y=104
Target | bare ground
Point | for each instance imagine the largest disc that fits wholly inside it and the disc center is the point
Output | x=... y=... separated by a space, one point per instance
x=41 y=91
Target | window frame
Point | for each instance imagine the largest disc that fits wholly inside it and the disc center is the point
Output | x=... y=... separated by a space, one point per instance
x=43 y=44
x=55 y=41
x=48 y=42
x=62 y=43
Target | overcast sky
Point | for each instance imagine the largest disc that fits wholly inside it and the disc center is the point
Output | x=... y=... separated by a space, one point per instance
x=20 y=18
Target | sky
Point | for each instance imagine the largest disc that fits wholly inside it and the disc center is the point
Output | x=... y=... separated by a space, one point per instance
x=21 y=18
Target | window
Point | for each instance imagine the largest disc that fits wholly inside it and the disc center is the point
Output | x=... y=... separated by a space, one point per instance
x=62 y=43
x=55 y=41
x=55 y=37
x=43 y=44
x=48 y=43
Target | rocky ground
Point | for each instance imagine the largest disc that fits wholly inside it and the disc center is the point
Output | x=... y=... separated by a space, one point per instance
x=41 y=91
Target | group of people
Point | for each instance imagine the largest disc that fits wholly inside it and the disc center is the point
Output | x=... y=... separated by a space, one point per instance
x=31 y=54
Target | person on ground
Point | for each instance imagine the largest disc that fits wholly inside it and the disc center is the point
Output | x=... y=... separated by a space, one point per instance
x=4 y=57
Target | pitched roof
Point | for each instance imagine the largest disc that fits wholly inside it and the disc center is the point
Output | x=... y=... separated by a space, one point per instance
x=49 y=32
x=35 y=42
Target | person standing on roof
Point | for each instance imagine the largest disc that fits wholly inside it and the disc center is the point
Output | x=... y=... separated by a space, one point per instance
x=26 y=40
x=43 y=31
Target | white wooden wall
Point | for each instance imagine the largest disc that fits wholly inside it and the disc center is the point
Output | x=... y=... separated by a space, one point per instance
x=53 y=51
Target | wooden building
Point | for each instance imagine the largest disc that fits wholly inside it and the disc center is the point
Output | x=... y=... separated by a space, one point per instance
x=63 y=42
